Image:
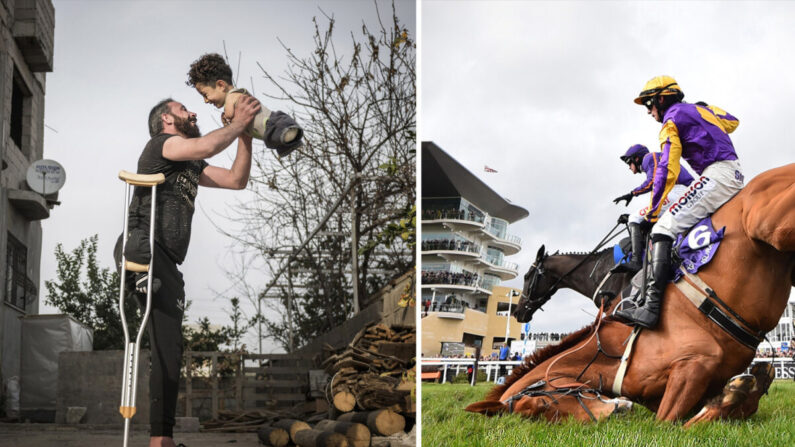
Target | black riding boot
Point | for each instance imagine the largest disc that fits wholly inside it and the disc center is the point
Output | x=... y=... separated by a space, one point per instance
x=648 y=314
x=635 y=263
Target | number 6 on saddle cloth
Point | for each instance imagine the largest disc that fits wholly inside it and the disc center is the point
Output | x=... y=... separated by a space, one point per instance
x=131 y=349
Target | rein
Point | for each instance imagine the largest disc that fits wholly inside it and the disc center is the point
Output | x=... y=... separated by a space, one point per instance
x=538 y=268
x=578 y=393
x=599 y=349
x=575 y=389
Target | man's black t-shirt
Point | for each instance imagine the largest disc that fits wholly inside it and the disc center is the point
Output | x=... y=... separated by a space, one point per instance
x=175 y=198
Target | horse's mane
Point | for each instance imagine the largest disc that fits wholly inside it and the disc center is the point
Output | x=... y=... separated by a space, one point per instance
x=536 y=358
x=581 y=253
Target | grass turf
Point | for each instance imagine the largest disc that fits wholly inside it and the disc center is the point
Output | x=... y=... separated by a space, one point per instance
x=445 y=423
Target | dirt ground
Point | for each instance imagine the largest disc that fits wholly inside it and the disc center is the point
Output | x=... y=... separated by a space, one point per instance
x=53 y=435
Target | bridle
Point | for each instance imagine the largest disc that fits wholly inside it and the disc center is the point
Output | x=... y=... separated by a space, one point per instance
x=539 y=269
x=538 y=272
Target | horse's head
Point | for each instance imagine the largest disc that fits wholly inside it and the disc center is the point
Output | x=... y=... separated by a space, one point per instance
x=538 y=288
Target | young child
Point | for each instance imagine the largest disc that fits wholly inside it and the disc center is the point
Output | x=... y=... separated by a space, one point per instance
x=211 y=76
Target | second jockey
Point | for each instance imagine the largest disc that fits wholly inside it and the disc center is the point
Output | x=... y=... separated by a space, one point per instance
x=639 y=159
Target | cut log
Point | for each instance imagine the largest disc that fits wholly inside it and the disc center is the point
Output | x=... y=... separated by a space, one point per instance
x=358 y=434
x=344 y=401
x=380 y=422
x=292 y=427
x=273 y=436
x=318 y=438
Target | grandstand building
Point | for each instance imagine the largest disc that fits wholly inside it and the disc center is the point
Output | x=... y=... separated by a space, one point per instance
x=781 y=337
x=465 y=243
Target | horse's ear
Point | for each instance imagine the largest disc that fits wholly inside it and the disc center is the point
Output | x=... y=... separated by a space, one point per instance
x=540 y=254
x=487 y=407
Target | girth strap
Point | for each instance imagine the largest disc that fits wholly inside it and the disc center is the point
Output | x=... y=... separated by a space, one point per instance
x=622 y=367
x=703 y=297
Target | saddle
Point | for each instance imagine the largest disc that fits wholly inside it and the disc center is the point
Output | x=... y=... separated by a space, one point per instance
x=691 y=251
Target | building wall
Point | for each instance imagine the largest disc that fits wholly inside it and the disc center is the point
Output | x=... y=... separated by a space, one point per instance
x=489 y=325
x=26 y=48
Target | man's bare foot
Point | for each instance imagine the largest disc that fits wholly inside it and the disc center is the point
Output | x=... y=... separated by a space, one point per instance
x=161 y=441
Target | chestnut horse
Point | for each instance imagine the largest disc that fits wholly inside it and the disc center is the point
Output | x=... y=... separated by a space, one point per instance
x=686 y=360
x=581 y=272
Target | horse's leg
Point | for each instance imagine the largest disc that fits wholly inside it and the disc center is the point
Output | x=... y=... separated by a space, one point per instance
x=740 y=397
x=684 y=389
x=764 y=374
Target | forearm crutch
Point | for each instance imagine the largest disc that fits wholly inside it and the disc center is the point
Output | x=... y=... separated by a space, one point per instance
x=131 y=349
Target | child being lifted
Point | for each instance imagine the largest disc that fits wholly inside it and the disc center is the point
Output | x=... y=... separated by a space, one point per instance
x=211 y=76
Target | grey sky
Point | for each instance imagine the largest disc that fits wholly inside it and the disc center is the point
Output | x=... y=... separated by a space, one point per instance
x=114 y=60
x=542 y=92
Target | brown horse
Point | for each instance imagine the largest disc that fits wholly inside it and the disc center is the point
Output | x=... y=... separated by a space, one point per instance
x=688 y=358
x=581 y=272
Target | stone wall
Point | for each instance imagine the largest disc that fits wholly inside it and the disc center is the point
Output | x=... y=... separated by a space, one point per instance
x=93 y=380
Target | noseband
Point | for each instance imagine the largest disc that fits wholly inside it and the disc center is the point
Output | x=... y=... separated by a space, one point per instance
x=537 y=274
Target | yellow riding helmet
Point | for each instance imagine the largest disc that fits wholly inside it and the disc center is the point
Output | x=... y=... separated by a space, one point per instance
x=659 y=85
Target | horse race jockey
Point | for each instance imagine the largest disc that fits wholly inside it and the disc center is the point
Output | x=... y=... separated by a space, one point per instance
x=700 y=135
x=639 y=159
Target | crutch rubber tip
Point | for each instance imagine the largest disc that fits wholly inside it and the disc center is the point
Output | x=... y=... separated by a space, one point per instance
x=127 y=412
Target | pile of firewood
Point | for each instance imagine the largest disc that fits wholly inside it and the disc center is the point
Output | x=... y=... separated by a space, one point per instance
x=370 y=398
x=374 y=371
x=354 y=429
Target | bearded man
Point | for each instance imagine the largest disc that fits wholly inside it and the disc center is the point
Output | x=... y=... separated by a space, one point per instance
x=177 y=150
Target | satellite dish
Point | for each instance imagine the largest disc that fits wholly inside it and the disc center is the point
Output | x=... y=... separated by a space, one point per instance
x=46 y=176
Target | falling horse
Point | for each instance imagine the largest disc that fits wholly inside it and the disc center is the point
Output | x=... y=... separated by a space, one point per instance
x=586 y=273
x=684 y=362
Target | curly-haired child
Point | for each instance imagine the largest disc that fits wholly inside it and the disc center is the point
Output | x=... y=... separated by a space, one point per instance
x=211 y=76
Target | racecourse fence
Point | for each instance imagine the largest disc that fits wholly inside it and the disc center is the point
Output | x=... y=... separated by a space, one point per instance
x=448 y=368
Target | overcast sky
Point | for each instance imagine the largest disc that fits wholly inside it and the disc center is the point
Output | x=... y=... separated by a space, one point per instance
x=542 y=92
x=114 y=60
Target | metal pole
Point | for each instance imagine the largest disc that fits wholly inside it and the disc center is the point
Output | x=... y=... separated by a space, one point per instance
x=508 y=317
x=354 y=252
x=259 y=323
x=290 y=309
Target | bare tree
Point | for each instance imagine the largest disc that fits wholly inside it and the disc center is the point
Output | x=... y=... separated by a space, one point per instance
x=355 y=175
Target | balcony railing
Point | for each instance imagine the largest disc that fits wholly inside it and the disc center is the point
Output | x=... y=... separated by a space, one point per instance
x=504 y=236
x=452 y=278
x=452 y=214
x=454 y=308
x=488 y=283
x=513 y=239
x=503 y=264
x=450 y=244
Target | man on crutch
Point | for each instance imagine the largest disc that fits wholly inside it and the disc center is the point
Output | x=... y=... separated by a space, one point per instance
x=178 y=151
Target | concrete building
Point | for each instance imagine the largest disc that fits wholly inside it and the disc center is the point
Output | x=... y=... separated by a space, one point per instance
x=26 y=55
x=465 y=241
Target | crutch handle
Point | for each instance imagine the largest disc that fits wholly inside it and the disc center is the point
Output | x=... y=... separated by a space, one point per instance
x=142 y=179
x=135 y=267
x=127 y=412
